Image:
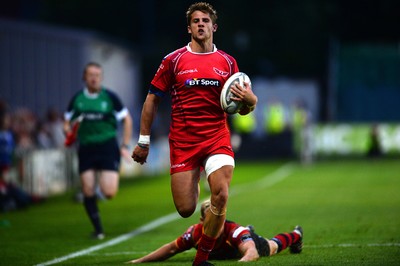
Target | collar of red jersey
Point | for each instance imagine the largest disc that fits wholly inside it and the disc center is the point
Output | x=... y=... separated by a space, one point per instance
x=190 y=49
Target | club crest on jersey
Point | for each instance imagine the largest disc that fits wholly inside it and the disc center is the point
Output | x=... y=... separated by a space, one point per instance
x=220 y=72
x=104 y=105
x=203 y=82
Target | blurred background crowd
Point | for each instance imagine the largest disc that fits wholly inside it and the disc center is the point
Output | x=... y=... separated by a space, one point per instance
x=31 y=131
x=21 y=132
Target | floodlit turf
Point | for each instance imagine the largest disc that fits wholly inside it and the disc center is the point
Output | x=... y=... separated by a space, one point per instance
x=349 y=209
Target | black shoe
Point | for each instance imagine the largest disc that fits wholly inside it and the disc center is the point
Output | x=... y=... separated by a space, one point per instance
x=298 y=246
x=204 y=263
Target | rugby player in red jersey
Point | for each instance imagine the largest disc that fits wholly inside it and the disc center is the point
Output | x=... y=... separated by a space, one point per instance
x=234 y=242
x=199 y=137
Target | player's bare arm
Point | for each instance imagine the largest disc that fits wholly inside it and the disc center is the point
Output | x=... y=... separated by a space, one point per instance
x=162 y=253
x=126 y=136
x=249 y=251
x=127 y=129
x=149 y=112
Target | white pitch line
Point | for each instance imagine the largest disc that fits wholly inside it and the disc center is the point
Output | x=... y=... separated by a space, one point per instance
x=344 y=245
x=352 y=245
x=147 y=227
x=266 y=181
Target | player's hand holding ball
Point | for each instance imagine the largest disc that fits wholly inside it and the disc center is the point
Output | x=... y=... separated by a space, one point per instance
x=237 y=95
x=242 y=93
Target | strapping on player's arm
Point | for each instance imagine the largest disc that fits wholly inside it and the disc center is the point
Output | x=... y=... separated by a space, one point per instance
x=143 y=146
x=144 y=141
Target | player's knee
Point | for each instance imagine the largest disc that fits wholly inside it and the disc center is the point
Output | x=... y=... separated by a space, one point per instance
x=185 y=211
x=109 y=194
x=88 y=192
x=272 y=248
x=220 y=199
x=218 y=204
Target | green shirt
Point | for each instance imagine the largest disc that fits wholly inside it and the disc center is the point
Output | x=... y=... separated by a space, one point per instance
x=99 y=113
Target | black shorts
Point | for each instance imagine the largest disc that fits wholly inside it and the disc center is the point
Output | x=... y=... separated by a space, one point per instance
x=102 y=156
x=262 y=244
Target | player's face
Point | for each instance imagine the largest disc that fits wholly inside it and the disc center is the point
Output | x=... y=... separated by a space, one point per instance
x=201 y=27
x=93 y=77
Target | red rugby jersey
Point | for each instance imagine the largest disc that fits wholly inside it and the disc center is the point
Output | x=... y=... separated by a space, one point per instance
x=226 y=246
x=195 y=81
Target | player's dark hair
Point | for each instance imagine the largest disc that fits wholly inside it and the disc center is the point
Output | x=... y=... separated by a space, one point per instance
x=203 y=7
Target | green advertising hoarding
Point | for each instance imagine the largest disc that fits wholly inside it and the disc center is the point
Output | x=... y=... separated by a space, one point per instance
x=354 y=139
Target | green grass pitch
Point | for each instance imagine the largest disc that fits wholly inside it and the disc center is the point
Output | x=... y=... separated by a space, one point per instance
x=349 y=210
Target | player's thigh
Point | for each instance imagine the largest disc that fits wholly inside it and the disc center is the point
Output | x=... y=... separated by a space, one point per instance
x=219 y=171
x=185 y=190
x=88 y=180
x=109 y=182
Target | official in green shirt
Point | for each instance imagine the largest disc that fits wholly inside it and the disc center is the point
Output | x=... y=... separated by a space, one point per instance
x=94 y=112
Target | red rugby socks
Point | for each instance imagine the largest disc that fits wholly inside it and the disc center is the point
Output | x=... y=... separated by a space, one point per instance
x=204 y=248
x=284 y=240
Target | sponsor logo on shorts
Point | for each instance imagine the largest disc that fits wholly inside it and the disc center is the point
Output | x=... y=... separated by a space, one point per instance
x=177 y=165
x=203 y=82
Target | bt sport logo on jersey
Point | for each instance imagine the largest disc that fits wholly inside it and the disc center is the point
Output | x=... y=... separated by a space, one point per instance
x=202 y=82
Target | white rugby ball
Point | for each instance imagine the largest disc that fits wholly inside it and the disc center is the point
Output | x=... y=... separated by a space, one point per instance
x=228 y=105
